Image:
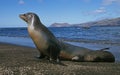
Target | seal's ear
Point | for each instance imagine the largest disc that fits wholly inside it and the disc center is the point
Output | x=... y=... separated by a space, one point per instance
x=30 y=16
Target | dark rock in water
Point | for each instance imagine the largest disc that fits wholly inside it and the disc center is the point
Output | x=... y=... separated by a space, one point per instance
x=99 y=56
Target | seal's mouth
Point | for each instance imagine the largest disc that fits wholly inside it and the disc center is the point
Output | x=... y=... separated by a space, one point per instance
x=22 y=16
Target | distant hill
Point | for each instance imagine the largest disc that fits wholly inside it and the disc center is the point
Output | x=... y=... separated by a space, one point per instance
x=105 y=22
x=60 y=25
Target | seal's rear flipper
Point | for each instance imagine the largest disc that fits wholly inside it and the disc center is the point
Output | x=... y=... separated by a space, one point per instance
x=104 y=49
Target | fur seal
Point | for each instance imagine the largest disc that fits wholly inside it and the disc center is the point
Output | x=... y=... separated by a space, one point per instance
x=48 y=45
x=45 y=41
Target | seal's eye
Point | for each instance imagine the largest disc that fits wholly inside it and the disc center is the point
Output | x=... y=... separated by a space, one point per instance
x=29 y=16
x=24 y=15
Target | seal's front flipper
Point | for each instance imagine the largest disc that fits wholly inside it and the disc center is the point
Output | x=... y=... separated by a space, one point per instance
x=41 y=56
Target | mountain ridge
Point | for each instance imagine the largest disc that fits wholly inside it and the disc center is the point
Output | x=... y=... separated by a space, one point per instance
x=104 y=22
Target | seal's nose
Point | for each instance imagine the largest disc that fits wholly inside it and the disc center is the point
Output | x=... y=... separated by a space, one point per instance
x=23 y=16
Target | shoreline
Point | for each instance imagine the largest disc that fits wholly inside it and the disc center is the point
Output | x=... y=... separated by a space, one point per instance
x=94 y=45
x=20 y=60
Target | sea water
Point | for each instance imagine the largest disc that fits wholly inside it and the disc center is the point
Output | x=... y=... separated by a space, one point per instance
x=93 y=33
x=96 y=36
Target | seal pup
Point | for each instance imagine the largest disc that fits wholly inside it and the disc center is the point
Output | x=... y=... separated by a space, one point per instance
x=49 y=46
x=44 y=40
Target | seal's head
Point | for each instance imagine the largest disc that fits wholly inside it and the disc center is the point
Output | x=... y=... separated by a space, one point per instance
x=30 y=18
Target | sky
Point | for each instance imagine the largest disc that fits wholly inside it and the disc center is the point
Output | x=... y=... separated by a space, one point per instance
x=57 y=11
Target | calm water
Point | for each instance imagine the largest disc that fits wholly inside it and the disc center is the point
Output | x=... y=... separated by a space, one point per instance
x=93 y=33
x=112 y=34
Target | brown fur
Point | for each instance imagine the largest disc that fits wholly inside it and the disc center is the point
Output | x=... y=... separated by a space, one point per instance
x=99 y=56
x=45 y=41
x=49 y=46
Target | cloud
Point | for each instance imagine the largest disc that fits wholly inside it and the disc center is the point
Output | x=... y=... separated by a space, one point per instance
x=21 y=2
x=99 y=11
x=109 y=2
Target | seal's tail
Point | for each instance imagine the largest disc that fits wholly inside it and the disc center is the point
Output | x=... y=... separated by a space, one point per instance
x=104 y=49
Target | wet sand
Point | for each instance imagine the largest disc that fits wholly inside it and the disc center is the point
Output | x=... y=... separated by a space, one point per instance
x=20 y=60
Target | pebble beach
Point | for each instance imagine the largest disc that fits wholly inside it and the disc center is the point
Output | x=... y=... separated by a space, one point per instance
x=20 y=60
